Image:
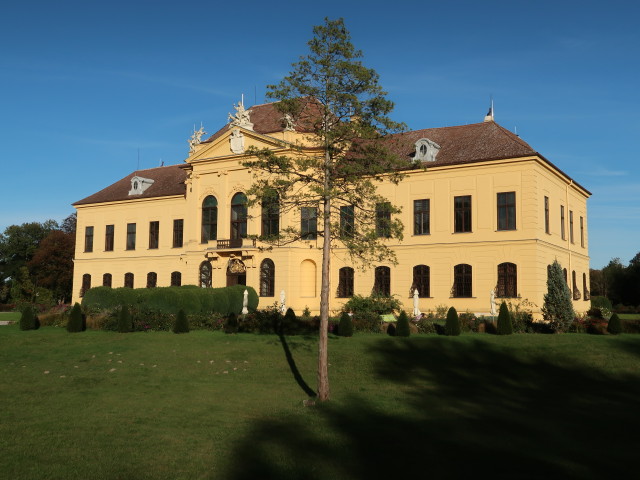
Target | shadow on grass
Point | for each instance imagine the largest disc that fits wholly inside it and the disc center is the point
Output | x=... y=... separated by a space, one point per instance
x=464 y=409
x=294 y=369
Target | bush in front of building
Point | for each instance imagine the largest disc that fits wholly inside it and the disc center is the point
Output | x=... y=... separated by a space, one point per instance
x=231 y=325
x=124 y=320
x=345 y=327
x=29 y=319
x=181 y=324
x=76 y=321
x=452 y=327
x=615 y=325
x=504 y=321
x=402 y=325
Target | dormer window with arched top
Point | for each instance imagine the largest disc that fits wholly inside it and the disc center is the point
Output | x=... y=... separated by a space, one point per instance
x=139 y=185
x=426 y=150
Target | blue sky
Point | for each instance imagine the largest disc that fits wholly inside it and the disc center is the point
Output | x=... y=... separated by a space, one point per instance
x=85 y=86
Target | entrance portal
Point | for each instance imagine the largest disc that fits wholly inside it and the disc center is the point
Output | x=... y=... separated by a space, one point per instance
x=236 y=272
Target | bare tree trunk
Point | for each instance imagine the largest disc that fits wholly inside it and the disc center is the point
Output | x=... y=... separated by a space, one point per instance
x=323 y=354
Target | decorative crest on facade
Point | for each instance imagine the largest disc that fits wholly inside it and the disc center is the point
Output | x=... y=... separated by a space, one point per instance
x=241 y=117
x=236 y=266
x=237 y=141
x=196 y=138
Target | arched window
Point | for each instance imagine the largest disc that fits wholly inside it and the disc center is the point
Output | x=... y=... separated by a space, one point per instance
x=128 y=280
x=270 y=216
x=86 y=284
x=507 y=280
x=345 y=282
x=462 y=280
x=267 y=278
x=576 y=290
x=152 y=280
x=421 y=280
x=176 y=279
x=205 y=274
x=382 y=284
x=239 y=216
x=209 y=219
x=587 y=293
x=106 y=280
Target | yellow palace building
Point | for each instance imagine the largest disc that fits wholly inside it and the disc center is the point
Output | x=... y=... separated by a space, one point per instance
x=484 y=216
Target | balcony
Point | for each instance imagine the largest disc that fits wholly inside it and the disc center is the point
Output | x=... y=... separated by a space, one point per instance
x=236 y=244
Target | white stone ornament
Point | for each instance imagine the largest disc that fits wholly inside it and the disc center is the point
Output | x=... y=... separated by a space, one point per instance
x=196 y=138
x=236 y=141
x=241 y=118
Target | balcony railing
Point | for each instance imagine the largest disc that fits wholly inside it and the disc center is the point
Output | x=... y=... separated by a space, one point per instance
x=235 y=243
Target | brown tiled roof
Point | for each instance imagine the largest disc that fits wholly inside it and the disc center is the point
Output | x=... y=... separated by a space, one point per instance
x=464 y=143
x=167 y=181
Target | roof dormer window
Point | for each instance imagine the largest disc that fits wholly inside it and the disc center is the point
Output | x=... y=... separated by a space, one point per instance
x=139 y=185
x=426 y=150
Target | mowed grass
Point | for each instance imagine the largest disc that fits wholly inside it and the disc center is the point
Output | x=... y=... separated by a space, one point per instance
x=206 y=405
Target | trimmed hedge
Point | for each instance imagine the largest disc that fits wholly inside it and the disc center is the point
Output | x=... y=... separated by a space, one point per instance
x=170 y=300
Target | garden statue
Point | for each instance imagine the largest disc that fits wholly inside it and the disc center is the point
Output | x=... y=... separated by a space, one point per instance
x=283 y=306
x=245 y=302
x=493 y=303
x=416 y=303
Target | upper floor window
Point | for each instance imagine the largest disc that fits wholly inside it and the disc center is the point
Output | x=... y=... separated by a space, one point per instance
x=106 y=280
x=546 y=215
x=128 y=280
x=507 y=280
x=108 y=238
x=88 y=239
x=421 y=280
x=562 y=232
x=152 y=280
x=582 y=232
x=209 y=219
x=176 y=279
x=571 y=226
x=239 y=216
x=462 y=282
x=421 y=217
x=309 y=223
x=131 y=236
x=382 y=283
x=271 y=216
x=178 y=232
x=345 y=282
x=154 y=234
x=347 y=221
x=507 y=211
x=383 y=220
x=267 y=278
x=462 y=214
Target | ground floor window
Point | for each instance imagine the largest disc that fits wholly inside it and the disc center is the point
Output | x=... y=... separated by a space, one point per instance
x=267 y=278
x=345 y=282
x=462 y=280
x=128 y=280
x=382 y=284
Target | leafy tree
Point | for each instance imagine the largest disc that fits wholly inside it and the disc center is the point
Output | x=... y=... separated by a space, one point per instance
x=18 y=244
x=557 y=308
x=452 y=325
x=331 y=96
x=505 y=326
x=76 y=320
x=615 y=325
x=345 y=327
x=52 y=264
x=181 y=324
x=402 y=326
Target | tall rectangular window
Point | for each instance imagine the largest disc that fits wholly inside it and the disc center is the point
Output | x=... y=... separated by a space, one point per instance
x=178 y=228
x=383 y=220
x=88 y=239
x=562 y=232
x=507 y=211
x=108 y=238
x=309 y=223
x=421 y=217
x=347 y=221
x=582 y=232
x=571 y=225
x=131 y=236
x=462 y=214
x=546 y=214
x=154 y=234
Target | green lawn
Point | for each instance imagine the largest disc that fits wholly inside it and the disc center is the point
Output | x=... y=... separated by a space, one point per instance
x=100 y=405
x=629 y=316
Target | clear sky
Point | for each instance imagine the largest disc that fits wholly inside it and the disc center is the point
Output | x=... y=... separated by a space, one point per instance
x=90 y=91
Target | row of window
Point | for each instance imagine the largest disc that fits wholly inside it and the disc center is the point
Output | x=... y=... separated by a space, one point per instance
x=154 y=236
x=563 y=235
x=107 y=280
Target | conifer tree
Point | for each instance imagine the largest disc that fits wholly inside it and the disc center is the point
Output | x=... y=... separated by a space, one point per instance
x=124 y=320
x=345 y=327
x=558 y=308
x=75 y=322
x=335 y=99
x=452 y=326
x=505 y=326
x=402 y=326
x=615 y=325
x=231 y=325
x=29 y=319
x=181 y=324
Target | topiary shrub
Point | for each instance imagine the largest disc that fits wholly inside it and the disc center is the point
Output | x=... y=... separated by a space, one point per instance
x=402 y=326
x=29 y=319
x=76 y=321
x=452 y=327
x=345 y=327
x=124 y=320
x=181 y=324
x=288 y=323
x=231 y=325
x=504 y=321
x=615 y=325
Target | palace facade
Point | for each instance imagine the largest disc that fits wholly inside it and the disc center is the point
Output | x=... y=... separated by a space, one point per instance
x=484 y=216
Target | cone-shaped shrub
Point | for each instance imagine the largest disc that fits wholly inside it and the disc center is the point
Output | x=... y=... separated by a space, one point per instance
x=402 y=326
x=615 y=325
x=289 y=321
x=28 y=319
x=231 y=325
x=452 y=326
x=124 y=320
x=181 y=324
x=504 y=321
x=345 y=327
x=75 y=319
